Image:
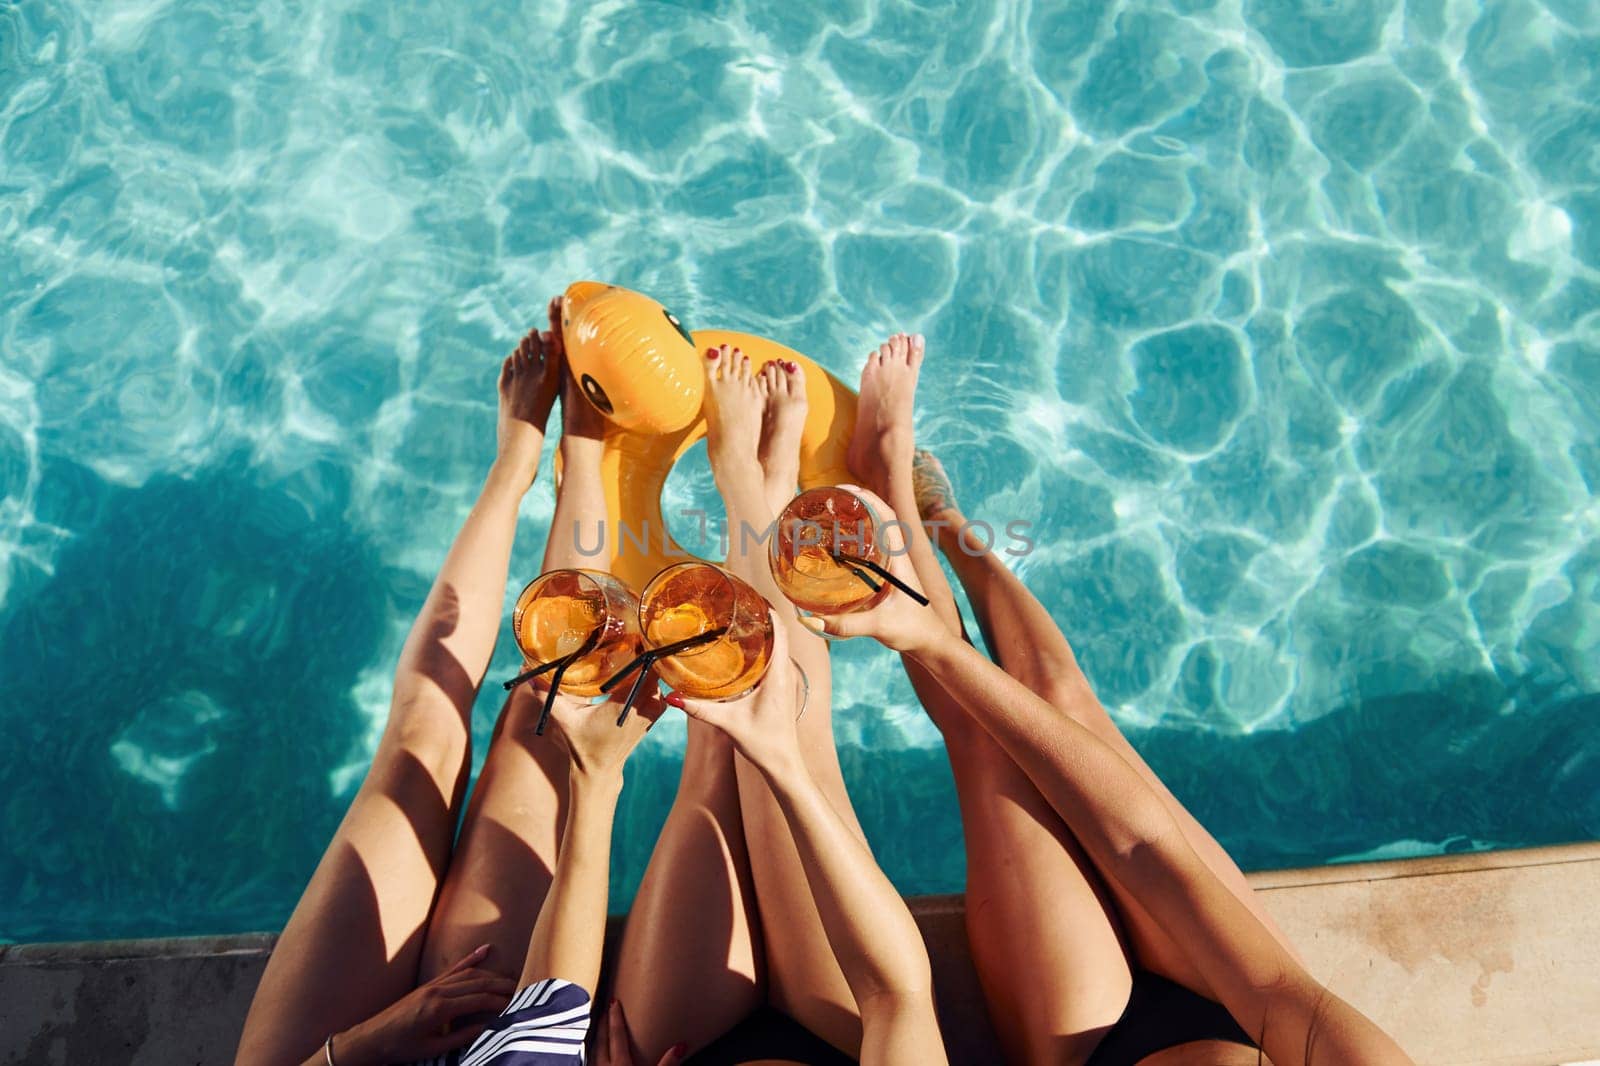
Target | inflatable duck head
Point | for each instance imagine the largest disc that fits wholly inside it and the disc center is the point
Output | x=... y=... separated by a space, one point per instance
x=631 y=357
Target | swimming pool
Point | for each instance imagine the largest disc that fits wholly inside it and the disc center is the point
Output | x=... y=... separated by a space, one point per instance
x=1280 y=323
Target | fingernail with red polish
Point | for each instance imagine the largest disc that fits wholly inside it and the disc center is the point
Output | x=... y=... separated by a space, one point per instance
x=675 y=700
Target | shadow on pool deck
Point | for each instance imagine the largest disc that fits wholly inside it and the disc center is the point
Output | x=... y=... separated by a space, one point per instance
x=1485 y=958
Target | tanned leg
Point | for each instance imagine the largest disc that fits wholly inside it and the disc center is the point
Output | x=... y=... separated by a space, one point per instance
x=1031 y=648
x=691 y=964
x=1044 y=937
x=354 y=941
x=770 y=405
x=505 y=853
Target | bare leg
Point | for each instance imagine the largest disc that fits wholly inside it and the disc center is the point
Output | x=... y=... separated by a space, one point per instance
x=742 y=408
x=1045 y=939
x=1032 y=649
x=781 y=389
x=580 y=514
x=505 y=853
x=807 y=982
x=690 y=967
x=881 y=451
x=354 y=941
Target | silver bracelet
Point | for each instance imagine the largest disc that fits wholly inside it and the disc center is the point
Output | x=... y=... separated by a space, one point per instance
x=327 y=1049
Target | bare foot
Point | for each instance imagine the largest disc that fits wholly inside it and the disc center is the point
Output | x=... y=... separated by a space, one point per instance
x=733 y=420
x=582 y=427
x=581 y=514
x=529 y=378
x=883 y=442
x=783 y=388
x=931 y=486
x=580 y=422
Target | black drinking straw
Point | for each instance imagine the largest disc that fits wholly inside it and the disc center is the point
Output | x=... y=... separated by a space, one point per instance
x=861 y=575
x=529 y=675
x=855 y=560
x=645 y=661
x=550 y=697
x=560 y=667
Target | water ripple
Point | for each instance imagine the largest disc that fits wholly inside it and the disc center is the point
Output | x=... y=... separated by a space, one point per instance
x=1277 y=321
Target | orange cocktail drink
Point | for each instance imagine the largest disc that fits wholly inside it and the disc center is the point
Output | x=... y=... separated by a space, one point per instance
x=586 y=616
x=695 y=599
x=819 y=551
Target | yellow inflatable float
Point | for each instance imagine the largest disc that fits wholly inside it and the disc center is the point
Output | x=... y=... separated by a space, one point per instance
x=638 y=366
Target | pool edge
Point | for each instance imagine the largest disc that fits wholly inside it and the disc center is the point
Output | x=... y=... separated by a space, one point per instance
x=1471 y=958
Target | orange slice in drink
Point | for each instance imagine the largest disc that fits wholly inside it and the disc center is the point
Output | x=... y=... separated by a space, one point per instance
x=585 y=671
x=678 y=623
x=709 y=669
x=815 y=562
x=553 y=626
x=699 y=669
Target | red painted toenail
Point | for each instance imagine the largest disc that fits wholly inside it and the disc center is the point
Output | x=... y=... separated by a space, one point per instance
x=711 y=353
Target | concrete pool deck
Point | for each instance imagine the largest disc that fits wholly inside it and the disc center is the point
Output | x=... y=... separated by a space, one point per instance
x=1488 y=958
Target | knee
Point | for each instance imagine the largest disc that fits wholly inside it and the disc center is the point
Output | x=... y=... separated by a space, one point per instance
x=1069 y=693
x=435 y=737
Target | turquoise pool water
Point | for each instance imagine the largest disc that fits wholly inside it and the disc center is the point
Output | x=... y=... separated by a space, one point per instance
x=1280 y=322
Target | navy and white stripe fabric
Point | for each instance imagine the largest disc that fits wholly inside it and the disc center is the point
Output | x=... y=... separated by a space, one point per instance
x=544 y=1025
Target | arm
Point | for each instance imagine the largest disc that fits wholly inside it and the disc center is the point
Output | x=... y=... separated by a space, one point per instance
x=570 y=933
x=421 y=1024
x=872 y=934
x=869 y=928
x=1131 y=835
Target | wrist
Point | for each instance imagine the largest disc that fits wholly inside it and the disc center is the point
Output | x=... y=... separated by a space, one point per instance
x=359 y=1045
x=939 y=644
x=782 y=767
x=595 y=782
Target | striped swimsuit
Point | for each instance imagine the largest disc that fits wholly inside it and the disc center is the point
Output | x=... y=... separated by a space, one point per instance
x=543 y=1025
